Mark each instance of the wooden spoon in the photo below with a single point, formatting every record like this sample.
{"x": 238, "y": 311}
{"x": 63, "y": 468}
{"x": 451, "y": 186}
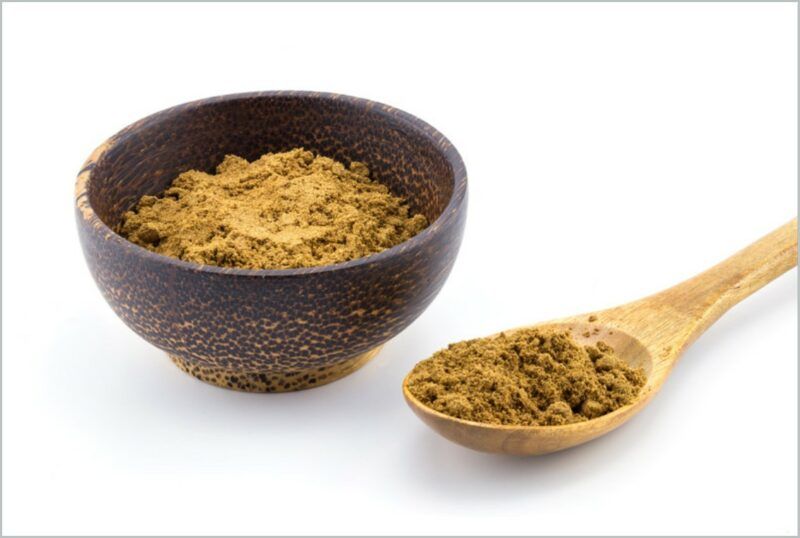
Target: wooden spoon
{"x": 650, "y": 333}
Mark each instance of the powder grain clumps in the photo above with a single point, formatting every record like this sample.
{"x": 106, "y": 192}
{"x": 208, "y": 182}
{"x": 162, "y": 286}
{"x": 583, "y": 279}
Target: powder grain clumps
{"x": 284, "y": 210}
{"x": 531, "y": 377}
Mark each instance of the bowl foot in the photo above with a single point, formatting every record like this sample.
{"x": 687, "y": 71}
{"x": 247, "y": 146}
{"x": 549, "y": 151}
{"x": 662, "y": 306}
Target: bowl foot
{"x": 272, "y": 381}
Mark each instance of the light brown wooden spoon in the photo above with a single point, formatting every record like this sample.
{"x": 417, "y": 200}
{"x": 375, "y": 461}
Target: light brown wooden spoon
{"x": 651, "y": 333}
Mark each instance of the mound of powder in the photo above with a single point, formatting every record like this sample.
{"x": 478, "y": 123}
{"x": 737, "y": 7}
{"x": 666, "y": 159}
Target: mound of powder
{"x": 529, "y": 377}
{"x": 284, "y": 210}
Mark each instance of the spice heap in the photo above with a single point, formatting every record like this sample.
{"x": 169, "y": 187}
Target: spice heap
{"x": 284, "y": 210}
{"x": 531, "y": 377}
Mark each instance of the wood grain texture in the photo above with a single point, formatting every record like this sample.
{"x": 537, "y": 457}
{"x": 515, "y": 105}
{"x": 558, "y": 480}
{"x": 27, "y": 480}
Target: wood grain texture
{"x": 284, "y": 381}
{"x": 651, "y": 333}
{"x": 281, "y": 329}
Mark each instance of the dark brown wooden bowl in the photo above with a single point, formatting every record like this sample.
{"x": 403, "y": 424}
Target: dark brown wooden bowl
{"x": 271, "y": 330}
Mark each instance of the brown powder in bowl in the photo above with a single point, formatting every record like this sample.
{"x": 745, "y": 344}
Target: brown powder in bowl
{"x": 530, "y": 377}
{"x": 283, "y": 210}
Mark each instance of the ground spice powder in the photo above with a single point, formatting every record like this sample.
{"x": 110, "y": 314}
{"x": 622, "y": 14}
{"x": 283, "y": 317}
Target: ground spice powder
{"x": 529, "y": 377}
{"x": 284, "y": 210}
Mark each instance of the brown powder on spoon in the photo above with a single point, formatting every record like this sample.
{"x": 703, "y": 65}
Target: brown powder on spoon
{"x": 530, "y": 377}
{"x": 283, "y": 210}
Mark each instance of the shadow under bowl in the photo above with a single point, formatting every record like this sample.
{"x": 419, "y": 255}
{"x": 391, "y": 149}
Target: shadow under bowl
{"x": 271, "y": 330}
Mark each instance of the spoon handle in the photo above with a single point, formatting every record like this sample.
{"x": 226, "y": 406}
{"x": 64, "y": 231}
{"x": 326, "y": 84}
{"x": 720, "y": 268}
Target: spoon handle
{"x": 674, "y": 318}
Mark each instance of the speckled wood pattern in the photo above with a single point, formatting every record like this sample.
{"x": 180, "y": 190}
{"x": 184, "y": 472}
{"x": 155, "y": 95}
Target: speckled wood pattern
{"x": 271, "y": 330}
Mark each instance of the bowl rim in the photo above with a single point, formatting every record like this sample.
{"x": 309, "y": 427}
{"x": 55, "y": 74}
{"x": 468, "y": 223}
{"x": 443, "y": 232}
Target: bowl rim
{"x": 454, "y": 205}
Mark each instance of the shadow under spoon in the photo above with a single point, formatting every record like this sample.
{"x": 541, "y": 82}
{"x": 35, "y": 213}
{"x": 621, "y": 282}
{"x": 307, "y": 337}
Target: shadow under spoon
{"x": 651, "y": 333}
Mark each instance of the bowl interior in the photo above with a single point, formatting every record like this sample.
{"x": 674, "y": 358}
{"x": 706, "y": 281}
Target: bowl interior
{"x": 400, "y": 151}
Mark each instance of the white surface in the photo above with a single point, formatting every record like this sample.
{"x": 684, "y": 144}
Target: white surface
{"x": 613, "y": 150}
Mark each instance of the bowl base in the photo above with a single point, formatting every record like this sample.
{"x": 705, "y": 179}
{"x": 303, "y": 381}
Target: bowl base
{"x": 271, "y": 381}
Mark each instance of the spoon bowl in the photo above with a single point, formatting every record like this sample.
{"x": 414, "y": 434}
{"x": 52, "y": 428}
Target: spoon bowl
{"x": 535, "y": 440}
{"x": 650, "y": 334}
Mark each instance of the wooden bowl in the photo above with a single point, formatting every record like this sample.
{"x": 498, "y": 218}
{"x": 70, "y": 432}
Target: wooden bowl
{"x": 271, "y": 330}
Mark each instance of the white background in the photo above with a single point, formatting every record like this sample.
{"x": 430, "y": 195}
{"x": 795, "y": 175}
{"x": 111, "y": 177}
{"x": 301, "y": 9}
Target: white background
{"x": 613, "y": 150}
